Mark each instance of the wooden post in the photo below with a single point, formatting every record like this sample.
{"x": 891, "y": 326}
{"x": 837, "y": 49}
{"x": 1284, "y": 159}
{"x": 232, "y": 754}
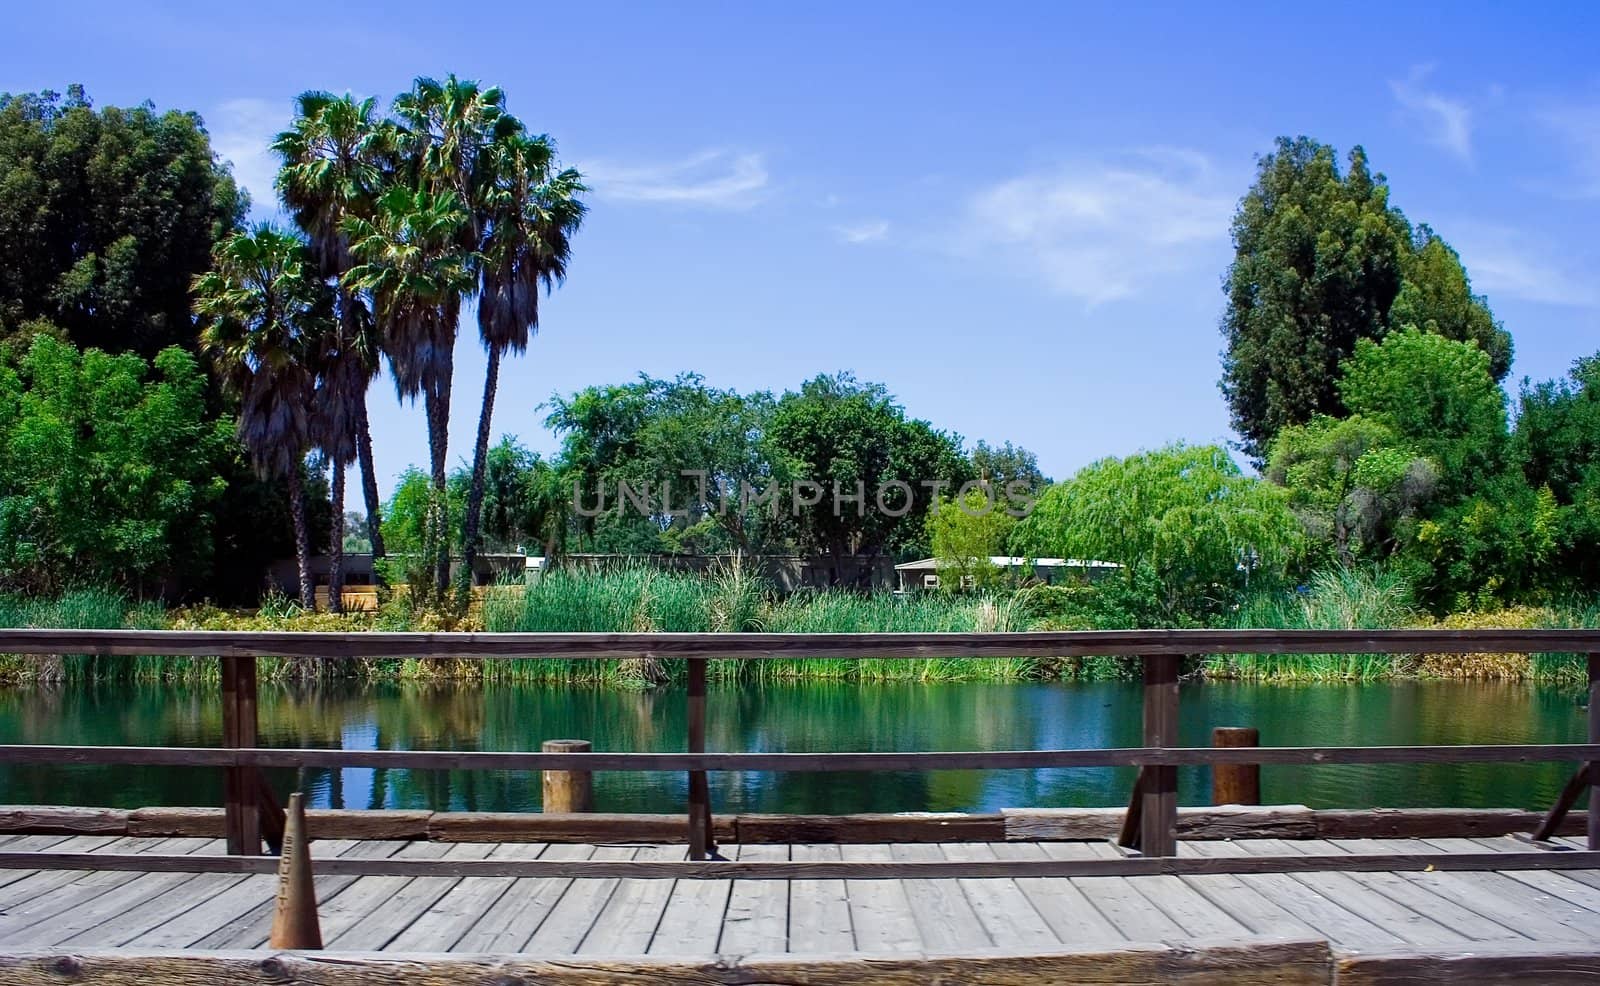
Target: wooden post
{"x": 700, "y": 842}
{"x": 1594, "y": 737}
{"x": 568, "y": 791}
{"x": 1236, "y": 783}
{"x": 1158, "y": 815}
{"x": 241, "y": 794}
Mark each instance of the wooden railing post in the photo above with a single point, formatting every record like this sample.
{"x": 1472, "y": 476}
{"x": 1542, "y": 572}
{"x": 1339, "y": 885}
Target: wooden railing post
{"x": 1158, "y": 814}
{"x": 700, "y": 841}
{"x": 1594, "y": 737}
{"x": 1236, "y": 783}
{"x": 241, "y": 785}
{"x": 567, "y": 791}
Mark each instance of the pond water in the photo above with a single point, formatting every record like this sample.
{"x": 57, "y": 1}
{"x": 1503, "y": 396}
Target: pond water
{"x": 794, "y": 717}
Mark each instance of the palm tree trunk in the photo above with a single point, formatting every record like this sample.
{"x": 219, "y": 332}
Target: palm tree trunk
{"x": 437, "y": 410}
{"x": 369, "y": 483}
{"x": 336, "y": 541}
{"x": 302, "y": 539}
{"x": 480, "y": 455}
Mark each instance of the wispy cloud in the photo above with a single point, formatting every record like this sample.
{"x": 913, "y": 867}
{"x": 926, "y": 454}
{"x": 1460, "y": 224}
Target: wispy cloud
{"x": 1102, "y": 230}
{"x": 864, "y": 232}
{"x": 1578, "y": 126}
{"x": 1446, "y": 122}
{"x": 1505, "y": 262}
{"x": 717, "y": 178}
{"x": 241, "y": 133}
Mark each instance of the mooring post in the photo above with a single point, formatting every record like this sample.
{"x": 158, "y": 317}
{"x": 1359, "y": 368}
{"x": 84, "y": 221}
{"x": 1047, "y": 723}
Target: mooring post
{"x": 1236, "y": 783}
{"x": 1158, "y": 814}
{"x": 700, "y": 842}
{"x": 568, "y": 791}
{"x": 1594, "y": 737}
{"x": 241, "y": 785}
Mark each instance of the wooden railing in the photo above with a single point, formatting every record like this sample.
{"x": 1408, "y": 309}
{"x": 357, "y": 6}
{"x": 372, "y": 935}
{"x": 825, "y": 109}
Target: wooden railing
{"x": 1155, "y": 806}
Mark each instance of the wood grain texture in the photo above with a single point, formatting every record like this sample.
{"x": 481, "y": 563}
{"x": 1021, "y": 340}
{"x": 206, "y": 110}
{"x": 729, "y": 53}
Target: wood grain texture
{"x": 465, "y": 826}
{"x": 1514, "y": 962}
{"x": 1213, "y": 963}
{"x": 1221, "y": 822}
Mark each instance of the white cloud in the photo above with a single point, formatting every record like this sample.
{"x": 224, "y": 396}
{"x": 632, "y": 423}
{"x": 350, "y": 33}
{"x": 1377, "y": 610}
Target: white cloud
{"x": 241, "y": 133}
{"x": 864, "y": 232}
{"x": 718, "y": 178}
{"x": 1447, "y": 122}
{"x": 1504, "y": 262}
{"x": 1100, "y": 231}
{"x": 1578, "y": 126}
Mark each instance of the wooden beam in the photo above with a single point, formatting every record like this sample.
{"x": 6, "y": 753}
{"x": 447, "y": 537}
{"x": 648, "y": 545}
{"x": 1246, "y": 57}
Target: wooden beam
{"x": 1144, "y": 865}
{"x": 1594, "y": 736}
{"x": 1544, "y": 963}
{"x": 186, "y": 756}
{"x": 757, "y": 646}
{"x": 1158, "y": 785}
{"x": 1239, "y": 962}
{"x": 701, "y": 842}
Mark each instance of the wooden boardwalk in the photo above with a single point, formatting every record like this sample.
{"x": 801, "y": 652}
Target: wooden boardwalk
{"x": 1439, "y": 911}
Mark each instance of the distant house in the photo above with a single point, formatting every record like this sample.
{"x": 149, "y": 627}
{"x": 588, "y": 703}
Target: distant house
{"x": 924, "y": 573}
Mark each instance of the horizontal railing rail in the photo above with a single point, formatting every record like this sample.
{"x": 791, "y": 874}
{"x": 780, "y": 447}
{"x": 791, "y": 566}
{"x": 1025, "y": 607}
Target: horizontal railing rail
{"x": 762, "y": 646}
{"x": 1152, "y": 817}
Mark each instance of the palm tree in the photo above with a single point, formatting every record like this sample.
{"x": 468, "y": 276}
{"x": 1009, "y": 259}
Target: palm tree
{"x": 411, "y": 263}
{"x": 530, "y": 212}
{"x": 442, "y": 133}
{"x": 265, "y": 316}
{"x": 336, "y": 161}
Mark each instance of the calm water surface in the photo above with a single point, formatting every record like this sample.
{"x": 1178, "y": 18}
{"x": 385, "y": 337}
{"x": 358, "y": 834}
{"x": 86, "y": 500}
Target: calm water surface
{"x": 795, "y": 718}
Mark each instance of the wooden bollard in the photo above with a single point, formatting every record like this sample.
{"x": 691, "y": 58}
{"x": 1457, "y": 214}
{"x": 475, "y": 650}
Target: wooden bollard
{"x": 568, "y": 791}
{"x": 294, "y": 923}
{"x": 1235, "y": 783}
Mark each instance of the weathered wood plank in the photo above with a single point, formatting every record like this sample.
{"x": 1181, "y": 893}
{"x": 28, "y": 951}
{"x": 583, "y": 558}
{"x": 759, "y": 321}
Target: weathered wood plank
{"x": 941, "y": 908}
{"x": 693, "y": 918}
{"x": 251, "y": 928}
{"x": 756, "y": 921}
{"x": 880, "y": 914}
{"x": 1221, "y": 822}
{"x": 46, "y": 819}
{"x": 868, "y": 828}
{"x": 819, "y": 910}
{"x": 1247, "y": 963}
{"x": 1429, "y": 823}
{"x": 1072, "y": 916}
{"x": 508, "y": 924}
{"x": 589, "y": 827}
{"x": 1008, "y": 916}
{"x": 1545, "y": 963}
{"x": 568, "y": 923}
{"x": 438, "y": 928}
{"x": 628, "y": 921}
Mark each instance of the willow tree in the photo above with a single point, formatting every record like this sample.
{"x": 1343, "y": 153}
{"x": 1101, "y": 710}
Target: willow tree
{"x": 265, "y": 316}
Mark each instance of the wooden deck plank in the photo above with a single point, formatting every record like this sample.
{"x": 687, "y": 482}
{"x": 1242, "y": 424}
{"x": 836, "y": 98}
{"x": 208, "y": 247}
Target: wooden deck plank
{"x": 1415, "y": 927}
{"x": 819, "y": 910}
{"x": 627, "y": 923}
{"x": 69, "y": 905}
{"x": 1008, "y": 915}
{"x": 693, "y": 918}
{"x": 880, "y": 913}
{"x": 942, "y": 910}
{"x": 372, "y": 914}
{"x": 756, "y": 920}
{"x": 250, "y": 929}
{"x": 439, "y": 927}
{"x": 512, "y": 919}
{"x": 1114, "y": 897}
{"x": 1196, "y": 914}
{"x": 569, "y": 921}
{"x": 1071, "y": 916}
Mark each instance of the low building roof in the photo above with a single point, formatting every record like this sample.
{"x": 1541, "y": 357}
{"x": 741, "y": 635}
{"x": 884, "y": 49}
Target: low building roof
{"x": 1011, "y": 561}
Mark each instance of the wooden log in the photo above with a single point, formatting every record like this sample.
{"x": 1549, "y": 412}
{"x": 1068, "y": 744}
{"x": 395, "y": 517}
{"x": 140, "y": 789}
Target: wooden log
{"x": 1544, "y": 963}
{"x": 1220, "y": 822}
{"x": 47, "y": 820}
{"x": 1432, "y": 823}
{"x": 1236, "y": 784}
{"x": 567, "y": 791}
{"x": 323, "y": 823}
{"x": 1158, "y": 791}
{"x": 868, "y": 828}
{"x": 1248, "y": 962}
{"x": 464, "y": 826}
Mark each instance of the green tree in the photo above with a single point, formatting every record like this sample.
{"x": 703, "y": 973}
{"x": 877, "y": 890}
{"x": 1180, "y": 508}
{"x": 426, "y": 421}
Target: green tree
{"x": 112, "y": 468}
{"x": 965, "y": 532}
{"x": 1436, "y": 395}
{"x": 1556, "y": 446}
{"x": 1183, "y": 517}
{"x": 531, "y": 210}
{"x": 1002, "y": 465}
{"x": 1354, "y": 485}
{"x": 851, "y": 446}
{"x": 266, "y": 316}
{"x": 1321, "y": 260}
{"x": 105, "y": 216}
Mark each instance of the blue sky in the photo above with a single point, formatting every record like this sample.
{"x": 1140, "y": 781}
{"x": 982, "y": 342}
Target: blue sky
{"x": 1016, "y": 217}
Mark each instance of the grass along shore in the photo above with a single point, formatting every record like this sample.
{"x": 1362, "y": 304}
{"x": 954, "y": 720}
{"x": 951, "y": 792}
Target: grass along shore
{"x": 647, "y": 600}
